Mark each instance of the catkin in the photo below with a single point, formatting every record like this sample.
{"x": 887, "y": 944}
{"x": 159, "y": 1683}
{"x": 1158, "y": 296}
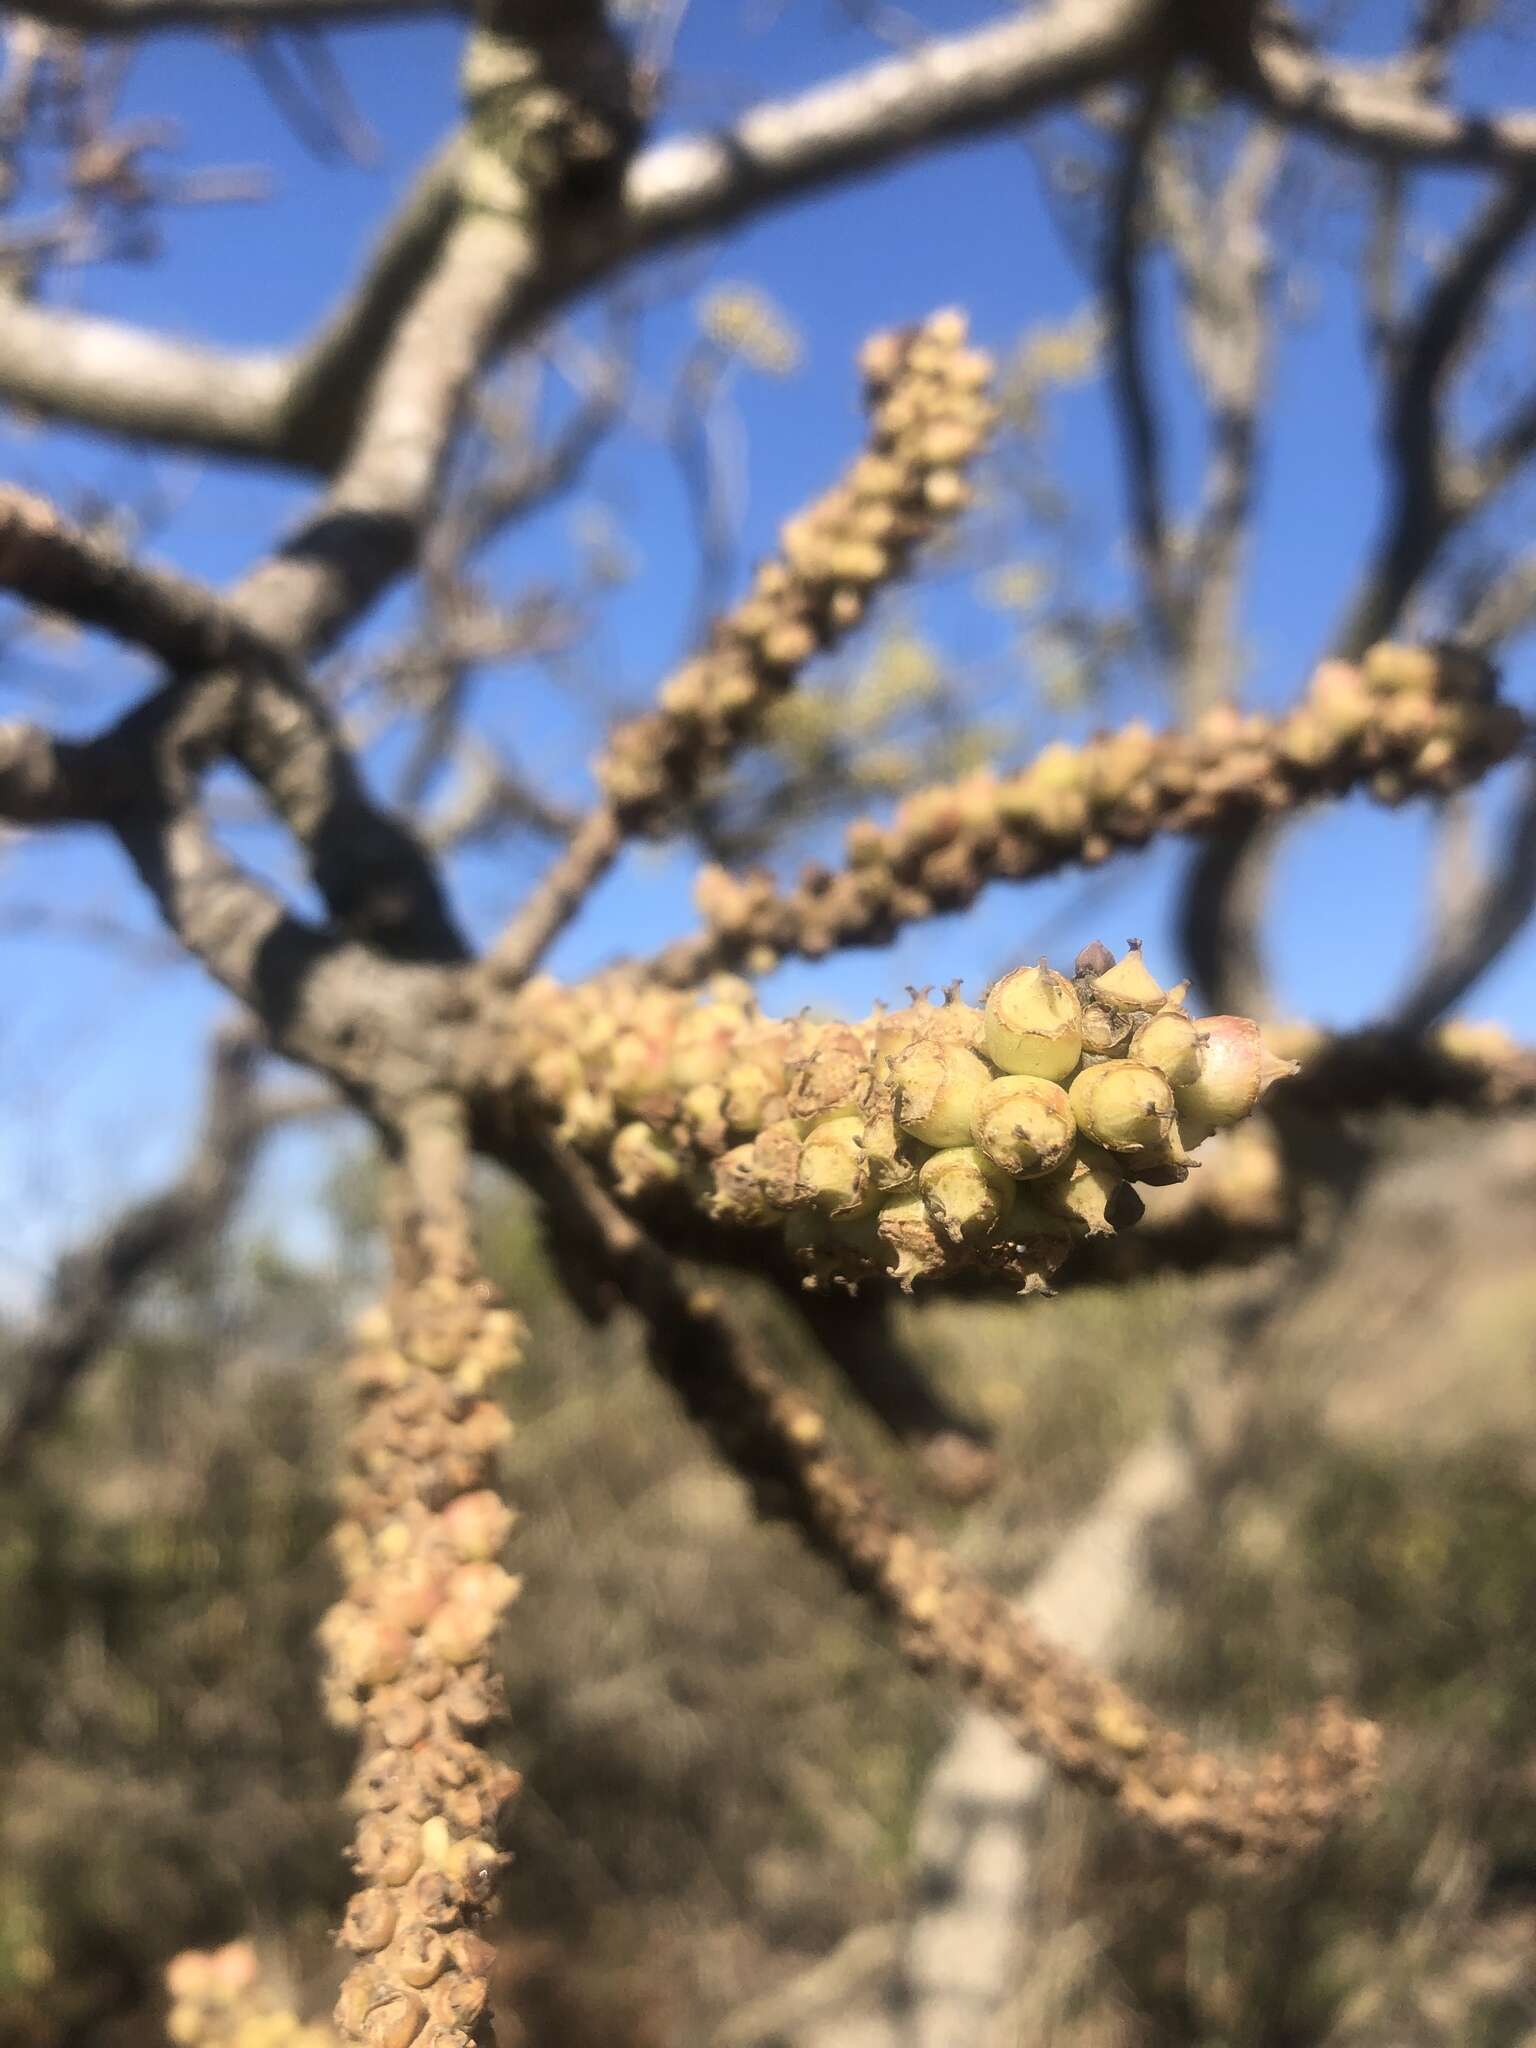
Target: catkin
{"x": 917, "y": 1143}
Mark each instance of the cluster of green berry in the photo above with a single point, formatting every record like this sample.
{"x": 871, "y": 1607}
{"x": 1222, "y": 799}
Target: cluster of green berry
{"x": 921, "y": 1141}
{"x": 1403, "y": 720}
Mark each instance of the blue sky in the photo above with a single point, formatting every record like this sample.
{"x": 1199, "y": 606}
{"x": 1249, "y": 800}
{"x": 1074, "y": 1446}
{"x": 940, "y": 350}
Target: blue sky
{"x": 100, "y": 1053}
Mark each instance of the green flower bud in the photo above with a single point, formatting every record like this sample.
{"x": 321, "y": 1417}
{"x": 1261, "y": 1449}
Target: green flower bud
{"x": 1235, "y": 1068}
{"x": 885, "y": 1151}
{"x": 750, "y": 1090}
{"x": 834, "y": 1173}
{"x": 1128, "y": 985}
{"x": 1123, "y": 1106}
{"x": 1081, "y": 1194}
{"x": 906, "y": 1230}
{"x": 937, "y": 1083}
{"x": 1033, "y": 1023}
{"x": 1024, "y": 1125}
{"x": 967, "y": 1196}
{"x": 1169, "y": 1041}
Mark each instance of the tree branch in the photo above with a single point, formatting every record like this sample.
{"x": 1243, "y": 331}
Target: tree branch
{"x": 302, "y": 409}
{"x": 945, "y": 1621}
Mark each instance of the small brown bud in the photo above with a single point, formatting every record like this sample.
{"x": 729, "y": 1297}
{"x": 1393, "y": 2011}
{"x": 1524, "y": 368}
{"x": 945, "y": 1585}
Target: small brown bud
{"x": 1093, "y": 960}
{"x": 457, "y": 2000}
{"x": 370, "y": 1921}
{"x": 394, "y": 2020}
{"x": 420, "y": 1957}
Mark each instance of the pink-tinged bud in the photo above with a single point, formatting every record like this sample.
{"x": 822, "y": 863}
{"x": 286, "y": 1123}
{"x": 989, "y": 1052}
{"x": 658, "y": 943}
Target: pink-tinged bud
{"x": 967, "y": 1196}
{"x": 1033, "y": 1024}
{"x": 1235, "y": 1069}
{"x": 936, "y": 1084}
{"x": 1024, "y": 1125}
{"x": 1128, "y": 985}
{"x": 235, "y": 1969}
{"x": 1123, "y": 1106}
{"x": 407, "y": 1595}
{"x": 641, "y": 1163}
{"x": 189, "y": 1975}
{"x": 1169, "y": 1041}
{"x": 905, "y": 1228}
{"x": 373, "y": 1652}
{"x": 459, "y": 1632}
{"x": 834, "y": 1175}
{"x": 1081, "y": 1195}
{"x": 477, "y": 1525}
{"x": 486, "y": 1585}
{"x": 370, "y": 1922}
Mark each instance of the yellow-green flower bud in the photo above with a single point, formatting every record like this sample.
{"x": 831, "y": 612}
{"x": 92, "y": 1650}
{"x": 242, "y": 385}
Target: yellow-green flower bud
{"x": 834, "y": 1173}
{"x": 937, "y": 1083}
{"x": 1123, "y": 1106}
{"x": 885, "y": 1150}
{"x": 1081, "y": 1195}
{"x": 1235, "y": 1068}
{"x": 1170, "y": 1042}
{"x": 750, "y": 1091}
{"x": 1128, "y": 985}
{"x": 1024, "y": 1125}
{"x": 1033, "y": 1023}
{"x": 905, "y": 1228}
{"x": 967, "y": 1196}
{"x": 641, "y": 1163}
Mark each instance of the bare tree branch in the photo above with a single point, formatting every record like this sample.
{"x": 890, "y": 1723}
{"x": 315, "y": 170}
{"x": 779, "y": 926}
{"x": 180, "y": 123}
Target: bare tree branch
{"x": 141, "y": 17}
{"x": 1377, "y": 111}
{"x": 124, "y": 380}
